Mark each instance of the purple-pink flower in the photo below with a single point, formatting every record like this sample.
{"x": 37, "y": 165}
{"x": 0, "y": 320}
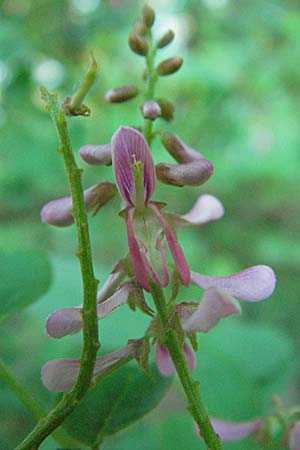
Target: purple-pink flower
{"x": 148, "y": 231}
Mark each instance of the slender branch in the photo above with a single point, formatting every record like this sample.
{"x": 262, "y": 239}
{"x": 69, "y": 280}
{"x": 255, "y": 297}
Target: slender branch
{"x": 89, "y": 314}
{"x": 191, "y": 387}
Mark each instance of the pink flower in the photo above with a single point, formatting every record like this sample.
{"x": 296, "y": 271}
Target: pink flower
{"x": 148, "y": 231}
{"x": 164, "y": 362}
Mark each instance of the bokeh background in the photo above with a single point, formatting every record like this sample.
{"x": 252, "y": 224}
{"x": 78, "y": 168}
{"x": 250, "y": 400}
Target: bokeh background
{"x": 237, "y": 101}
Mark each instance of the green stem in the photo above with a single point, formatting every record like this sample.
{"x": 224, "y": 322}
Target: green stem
{"x": 191, "y": 387}
{"x": 151, "y": 81}
{"x": 20, "y": 391}
{"x": 30, "y": 402}
{"x": 84, "y": 87}
{"x": 89, "y": 313}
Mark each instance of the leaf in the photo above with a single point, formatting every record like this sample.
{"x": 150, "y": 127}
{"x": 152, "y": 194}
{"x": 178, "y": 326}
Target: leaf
{"x": 24, "y": 277}
{"x": 115, "y": 403}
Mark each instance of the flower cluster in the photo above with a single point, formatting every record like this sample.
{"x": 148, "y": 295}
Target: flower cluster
{"x": 149, "y": 232}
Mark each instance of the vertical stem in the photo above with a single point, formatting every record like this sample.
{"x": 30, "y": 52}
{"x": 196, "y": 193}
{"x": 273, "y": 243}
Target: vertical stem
{"x": 151, "y": 80}
{"x": 89, "y": 312}
{"x": 191, "y": 387}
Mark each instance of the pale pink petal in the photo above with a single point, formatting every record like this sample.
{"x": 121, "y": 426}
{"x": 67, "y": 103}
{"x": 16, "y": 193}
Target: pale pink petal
{"x": 176, "y": 251}
{"x": 206, "y": 209}
{"x": 215, "y": 304}
{"x": 294, "y": 437}
{"x": 179, "y": 150}
{"x": 119, "y": 298}
{"x": 189, "y": 356}
{"x": 136, "y": 258}
{"x": 188, "y": 174}
{"x": 59, "y": 212}
{"x": 96, "y": 155}
{"x": 111, "y": 284}
{"x": 163, "y": 360}
{"x": 231, "y": 431}
{"x": 128, "y": 145}
{"x": 60, "y": 375}
{"x": 253, "y": 284}
{"x": 67, "y": 321}
{"x": 63, "y": 322}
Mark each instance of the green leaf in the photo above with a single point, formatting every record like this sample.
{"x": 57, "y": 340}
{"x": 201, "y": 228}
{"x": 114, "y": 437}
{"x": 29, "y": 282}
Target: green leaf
{"x": 115, "y": 403}
{"x": 24, "y": 277}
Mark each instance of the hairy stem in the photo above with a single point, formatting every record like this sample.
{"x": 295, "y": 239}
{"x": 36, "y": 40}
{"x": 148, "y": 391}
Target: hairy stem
{"x": 191, "y": 387}
{"x": 89, "y": 313}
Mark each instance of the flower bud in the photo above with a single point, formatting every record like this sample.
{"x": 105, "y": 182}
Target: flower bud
{"x": 166, "y": 39}
{"x": 148, "y": 15}
{"x": 151, "y": 110}
{"x": 59, "y": 212}
{"x": 167, "y": 109}
{"x": 121, "y": 94}
{"x": 138, "y": 44}
{"x": 96, "y": 155}
{"x": 169, "y": 66}
{"x": 178, "y": 149}
{"x": 189, "y": 174}
{"x": 140, "y": 28}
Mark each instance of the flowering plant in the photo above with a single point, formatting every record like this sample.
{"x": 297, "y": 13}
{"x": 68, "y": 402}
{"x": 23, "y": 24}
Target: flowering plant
{"x": 152, "y": 276}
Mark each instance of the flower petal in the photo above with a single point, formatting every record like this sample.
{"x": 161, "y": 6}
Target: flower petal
{"x": 206, "y": 208}
{"x": 234, "y": 431}
{"x": 163, "y": 360}
{"x": 215, "y": 304}
{"x": 188, "y": 174}
{"x": 96, "y": 155}
{"x": 59, "y": 212}
{"x": 136, "y": 258}
{"x": 253, "y": 284}
{"x": 189, "y": 356}
{"x": 176, "y": 251}
{"x": 179, "y": 150}
{"x": 294, "y": 437}
{"x": 129, "y": 145}
{"x": 59, "y": 375}
{"x": 67, "y": 321}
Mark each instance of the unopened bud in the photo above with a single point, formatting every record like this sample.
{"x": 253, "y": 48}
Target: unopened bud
{"x": 148, "y": 15}
{"x": 166, "y": 39}
{"x": 169, "y": 66}
{"x": 140, "y": 28}
{"x": 138, "y": 44}
{"x": 189, "y": 174}
{"x": 96, "y": 155}
{"x": 178, "y": 149}
{"x": 59, "y": 212}
{"x": 121, "y": 94}
{"x": 167, "y": 109}
{"x": 151, "y": 110}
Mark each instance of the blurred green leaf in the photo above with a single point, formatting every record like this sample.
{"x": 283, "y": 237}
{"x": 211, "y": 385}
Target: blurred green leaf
{"x": 115, "y": 403}
{"x": 24, "y": 277}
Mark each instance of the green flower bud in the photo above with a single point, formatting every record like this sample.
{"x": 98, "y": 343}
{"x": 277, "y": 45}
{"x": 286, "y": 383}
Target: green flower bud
{"x": 121, "y": 94}
{"x": 138, "y": 44}
{"x": 166, "y": 39}
{"x": 167, "y": 109}
{"x": 169, "y": 66}
{"x": 148, "y": 15}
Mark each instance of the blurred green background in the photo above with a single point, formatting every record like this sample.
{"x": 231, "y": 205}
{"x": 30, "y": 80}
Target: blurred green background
{"x": 237, "y": 101}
